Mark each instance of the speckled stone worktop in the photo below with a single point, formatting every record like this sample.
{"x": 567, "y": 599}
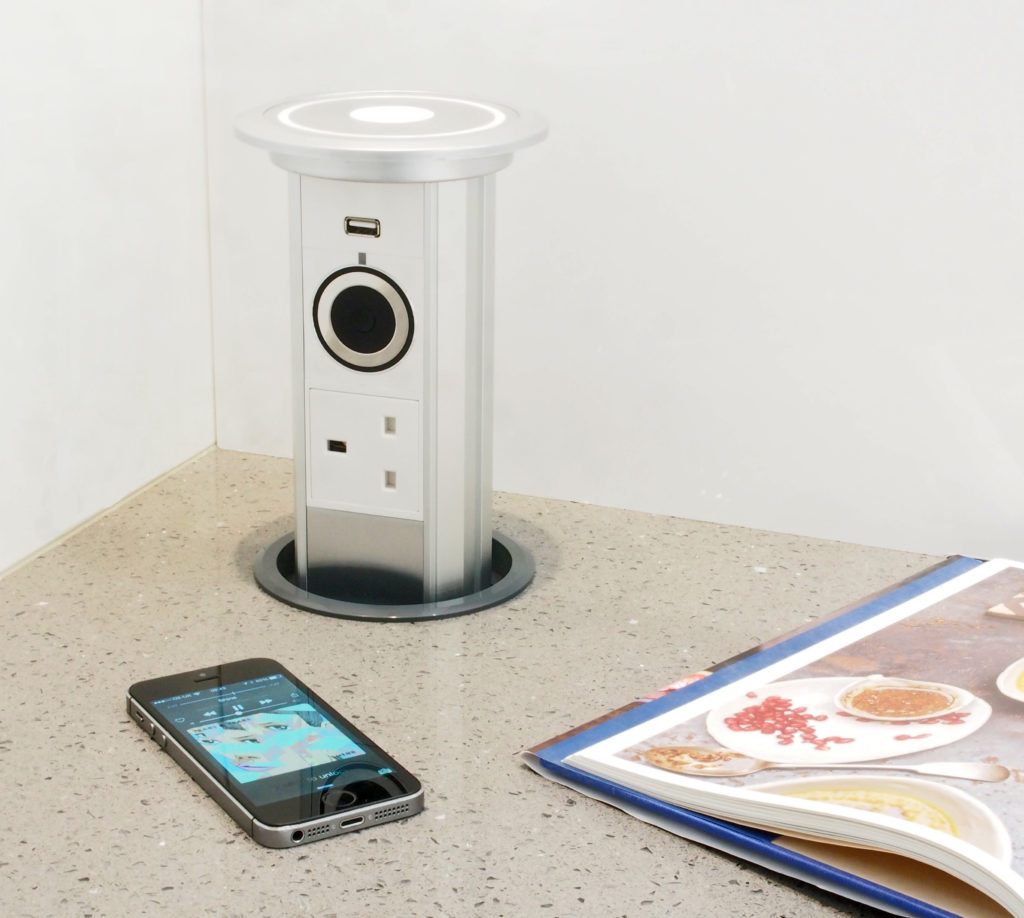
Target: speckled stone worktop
{"x": 99, "y": 822}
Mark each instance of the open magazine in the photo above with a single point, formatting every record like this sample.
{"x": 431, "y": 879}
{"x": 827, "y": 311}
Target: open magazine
{"x": 892, "y": 731}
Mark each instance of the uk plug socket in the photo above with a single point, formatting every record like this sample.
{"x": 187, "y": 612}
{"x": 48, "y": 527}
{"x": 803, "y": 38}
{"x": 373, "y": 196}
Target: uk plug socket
{"x": 364, "y": 454}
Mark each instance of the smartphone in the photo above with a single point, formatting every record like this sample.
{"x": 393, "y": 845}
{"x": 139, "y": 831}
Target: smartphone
{"x": 285, "y": 765}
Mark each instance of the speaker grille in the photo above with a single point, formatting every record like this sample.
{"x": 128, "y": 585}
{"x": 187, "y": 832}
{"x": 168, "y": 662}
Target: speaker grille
{"x": 317, "y": 831}
{"x": 391, "y": 811}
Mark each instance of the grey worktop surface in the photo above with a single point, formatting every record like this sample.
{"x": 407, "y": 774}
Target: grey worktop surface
{"x": 98, "y": 821}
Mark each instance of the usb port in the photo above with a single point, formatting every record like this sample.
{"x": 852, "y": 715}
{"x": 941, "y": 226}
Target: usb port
{"x": 354, "y": 821}
{"x": 362, "y": 226}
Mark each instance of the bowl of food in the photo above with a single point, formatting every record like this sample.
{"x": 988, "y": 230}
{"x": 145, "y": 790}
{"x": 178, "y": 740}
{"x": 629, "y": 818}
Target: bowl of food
{"x": 1011, "y": 680}
{"x": 889, "y": 698}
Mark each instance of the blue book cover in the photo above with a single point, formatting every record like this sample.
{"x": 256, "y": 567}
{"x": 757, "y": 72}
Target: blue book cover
{"x": 852, "y": 713}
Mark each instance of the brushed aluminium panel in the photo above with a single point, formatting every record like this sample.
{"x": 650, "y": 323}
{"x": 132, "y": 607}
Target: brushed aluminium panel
{"x": 458, "y": 446}
{"x": 361, "y": 557}
{"x": 298, "y": 310}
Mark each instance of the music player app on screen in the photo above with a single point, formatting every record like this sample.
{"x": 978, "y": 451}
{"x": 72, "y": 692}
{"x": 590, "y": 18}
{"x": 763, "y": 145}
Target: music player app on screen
{"x": 260, "y": 728}
{"x": 275, "y": 743}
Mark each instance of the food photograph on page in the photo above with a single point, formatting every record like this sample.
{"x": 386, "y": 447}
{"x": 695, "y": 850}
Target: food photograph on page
{"x": 923, "y": 721}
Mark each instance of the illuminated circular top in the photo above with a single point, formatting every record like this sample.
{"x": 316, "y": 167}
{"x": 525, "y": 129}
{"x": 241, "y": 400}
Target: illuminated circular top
{"x": 391, "y": 136}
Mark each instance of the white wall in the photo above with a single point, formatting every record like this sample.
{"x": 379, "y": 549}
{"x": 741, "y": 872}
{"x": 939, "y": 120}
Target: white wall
{"x": 766, "y": 270}
{"x": 105, "y": 361}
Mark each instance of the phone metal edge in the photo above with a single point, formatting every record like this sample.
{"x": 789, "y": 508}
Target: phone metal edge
{"x": 191, "y": 766}
{"x": 324, "y": 826}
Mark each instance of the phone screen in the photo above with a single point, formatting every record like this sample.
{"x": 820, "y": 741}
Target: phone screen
{"x": 286, "y": 755}
{"x": 271, "y": 743}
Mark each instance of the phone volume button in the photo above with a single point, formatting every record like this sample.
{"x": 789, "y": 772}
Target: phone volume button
{"x": 145, "y": 722}
{"x": 160, "y": 737}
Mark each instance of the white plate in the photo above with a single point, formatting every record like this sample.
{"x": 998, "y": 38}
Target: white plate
{"x": 969, "y": 818}
{"x": 863, "y": 740}
{"x": 1009, "y": 681}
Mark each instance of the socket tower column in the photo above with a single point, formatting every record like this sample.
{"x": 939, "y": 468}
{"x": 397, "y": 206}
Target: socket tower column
{"x": 392, "y": 238}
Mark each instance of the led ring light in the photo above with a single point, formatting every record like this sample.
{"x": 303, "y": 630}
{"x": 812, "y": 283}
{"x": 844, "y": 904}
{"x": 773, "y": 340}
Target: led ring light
{"x": 363, "y": 319}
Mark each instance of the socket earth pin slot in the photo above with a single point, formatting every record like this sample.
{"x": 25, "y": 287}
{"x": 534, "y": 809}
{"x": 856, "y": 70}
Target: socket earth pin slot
{"x": 362, "y": 226}
{"x": 337, "y": 446}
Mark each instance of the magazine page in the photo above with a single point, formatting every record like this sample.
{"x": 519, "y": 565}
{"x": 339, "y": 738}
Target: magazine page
{"x": 904, "y": 732}
{"x": 894, "y": 884}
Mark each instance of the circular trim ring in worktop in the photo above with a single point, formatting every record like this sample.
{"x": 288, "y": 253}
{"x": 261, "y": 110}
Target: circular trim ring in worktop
{"x": 391, "y": 136}
{"x": 512, "y": 570}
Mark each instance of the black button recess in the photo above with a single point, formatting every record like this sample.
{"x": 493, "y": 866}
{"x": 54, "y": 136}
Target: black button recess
{"x": 363, "y": 318}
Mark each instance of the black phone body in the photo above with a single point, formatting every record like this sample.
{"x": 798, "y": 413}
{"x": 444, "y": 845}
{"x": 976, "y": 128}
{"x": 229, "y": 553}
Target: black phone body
{"x": 285, "y": 765}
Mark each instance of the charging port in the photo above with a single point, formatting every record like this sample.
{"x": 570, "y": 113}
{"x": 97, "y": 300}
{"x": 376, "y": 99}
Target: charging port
{"x": 355, "y": 821}
{"x": 362, "y": 226}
